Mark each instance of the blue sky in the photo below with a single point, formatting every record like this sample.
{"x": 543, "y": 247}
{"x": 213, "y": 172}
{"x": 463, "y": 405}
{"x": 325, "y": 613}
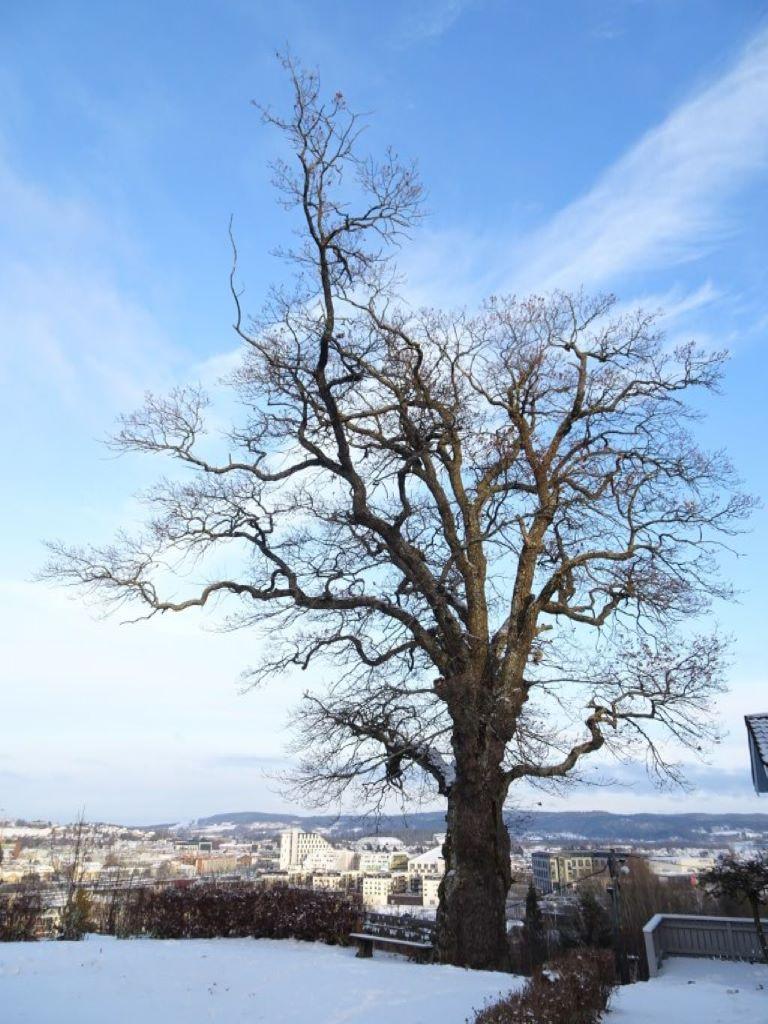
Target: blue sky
{"x": 622, "y": 144}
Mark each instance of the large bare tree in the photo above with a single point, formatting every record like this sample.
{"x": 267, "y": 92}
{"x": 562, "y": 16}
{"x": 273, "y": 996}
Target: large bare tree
{"x": 488, "y": 528}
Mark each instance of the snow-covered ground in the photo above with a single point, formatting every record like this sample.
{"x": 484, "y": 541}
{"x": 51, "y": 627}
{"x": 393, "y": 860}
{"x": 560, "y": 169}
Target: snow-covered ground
{"x": 689, "y": 991}
{"x": 245, "y": 980}
{"x": 143, "y": 981}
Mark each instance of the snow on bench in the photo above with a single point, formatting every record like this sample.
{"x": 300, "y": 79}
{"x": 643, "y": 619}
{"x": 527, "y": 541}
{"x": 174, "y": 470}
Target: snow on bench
{"x": 404, "y": 933}
{"x": 423, "y": 951}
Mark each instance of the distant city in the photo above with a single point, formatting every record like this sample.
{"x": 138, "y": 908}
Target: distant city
{"x": 392, "y": 862}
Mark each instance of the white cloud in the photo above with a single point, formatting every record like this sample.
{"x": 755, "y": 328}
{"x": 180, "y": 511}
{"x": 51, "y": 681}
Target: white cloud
{"x": 68, "y": 329}
{"x": 428, "y": 19}
{"x": 134, "y": 722}
{"x": 663, "y": 202}
{"x": 76, "y": 334}
{"x": 675, "y": 303}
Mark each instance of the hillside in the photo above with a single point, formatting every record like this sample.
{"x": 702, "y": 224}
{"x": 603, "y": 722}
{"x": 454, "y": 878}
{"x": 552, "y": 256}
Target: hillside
{"x": 594, "y": 826}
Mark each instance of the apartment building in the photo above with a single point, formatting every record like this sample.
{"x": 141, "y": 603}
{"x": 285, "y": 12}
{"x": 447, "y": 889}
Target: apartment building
{"x": 429, "y": 863}
{"x": 429, "y": 890}
{"x": 376, "y": 862}
{"x": 331, "y": 881}
{"x": 220, "y": 865}
{"x": 296, "y": 846}
{"x": 682, "y": 865}
{"x": 378, "y": 888}
{"x": 330, "y": 859}
{"x": 554, "y": 872}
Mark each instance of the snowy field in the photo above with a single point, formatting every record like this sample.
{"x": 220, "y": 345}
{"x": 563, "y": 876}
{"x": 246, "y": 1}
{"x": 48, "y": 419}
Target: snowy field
{"x": 142, "y": 981}
{"x": 691, "y": 991}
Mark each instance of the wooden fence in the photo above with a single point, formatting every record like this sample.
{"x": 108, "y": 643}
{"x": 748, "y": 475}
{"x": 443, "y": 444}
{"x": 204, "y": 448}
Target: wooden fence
{"x": 730, "y": 938}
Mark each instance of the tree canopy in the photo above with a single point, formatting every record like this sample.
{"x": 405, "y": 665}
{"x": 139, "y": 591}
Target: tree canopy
{"x": 490, "y": 528}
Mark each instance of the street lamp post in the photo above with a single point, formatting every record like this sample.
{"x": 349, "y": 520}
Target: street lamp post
{"x": 617, "y": 867}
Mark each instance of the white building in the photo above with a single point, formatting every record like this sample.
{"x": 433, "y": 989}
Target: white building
{"x": 330, "y": 859}
{"x": 555, "y": 872}
{"x": 429, "y": 886}
{"x": 378, "y": 888}
{"x": 296, "y": 846}
{"x": 376, "y": 862}
{"x": 680, "y": 866}
{"x": 429, "y": 863}
{"x": 330, "y": 881}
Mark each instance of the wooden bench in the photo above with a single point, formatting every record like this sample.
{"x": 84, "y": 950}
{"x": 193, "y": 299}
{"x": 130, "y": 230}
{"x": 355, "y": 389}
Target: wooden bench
{"x": 421, "y": 951}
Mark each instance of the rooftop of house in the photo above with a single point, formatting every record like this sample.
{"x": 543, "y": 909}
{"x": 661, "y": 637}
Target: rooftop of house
{"x": 757, "y": 731}
{"x": 430, "y": 857}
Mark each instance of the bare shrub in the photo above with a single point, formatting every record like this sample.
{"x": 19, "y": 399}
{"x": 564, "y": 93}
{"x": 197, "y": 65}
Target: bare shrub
{"x": 573, "y": 989}
{"x": 644, "y": 894}
{"x": 21, "y": 914}
{"x": 77, "y": 916}
{"x": 742, "y": 879}
{"x": 213, "y": 911}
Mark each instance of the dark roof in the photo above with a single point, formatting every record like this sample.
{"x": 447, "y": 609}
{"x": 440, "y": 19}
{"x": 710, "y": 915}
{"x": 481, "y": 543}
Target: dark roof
{"x": 757, "y": 731}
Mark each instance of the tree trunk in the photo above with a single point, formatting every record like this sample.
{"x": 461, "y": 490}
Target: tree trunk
{"x": 471, "y": 924}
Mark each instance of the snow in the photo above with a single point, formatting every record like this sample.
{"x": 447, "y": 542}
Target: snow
{"x": 23, "y": 832}
{"x": 446, "y": 768}
{"x": 384, "y": 843}
{"x": 758, "y": 725}
{"x": 247, "y": 980}
{"x": 399, "y": 909}
{"x": 430, "y": 857}
{"x": 689, "y": 991}
{"x": 233, "y": 981}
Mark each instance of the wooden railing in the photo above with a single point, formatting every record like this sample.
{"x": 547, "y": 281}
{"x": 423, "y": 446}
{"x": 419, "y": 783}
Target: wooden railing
{"x": 730, "y": 938}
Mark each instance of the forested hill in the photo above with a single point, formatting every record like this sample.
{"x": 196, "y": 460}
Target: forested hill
{"x": 578, "y": 825}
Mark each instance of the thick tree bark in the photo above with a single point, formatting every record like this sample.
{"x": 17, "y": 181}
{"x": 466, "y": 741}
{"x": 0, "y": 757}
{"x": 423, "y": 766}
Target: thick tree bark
{"x": 471, "y": 925}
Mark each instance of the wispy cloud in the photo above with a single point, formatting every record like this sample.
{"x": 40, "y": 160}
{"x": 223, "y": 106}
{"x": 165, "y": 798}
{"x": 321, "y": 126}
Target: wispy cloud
{"x": 667, "y": 200}
{"x": 674, "y": 303}
{"x": 664, "y": 201}
{"x": 428, "y": 19}
{"x": 67, "y": 325}
{"x": 241, "y": 761}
